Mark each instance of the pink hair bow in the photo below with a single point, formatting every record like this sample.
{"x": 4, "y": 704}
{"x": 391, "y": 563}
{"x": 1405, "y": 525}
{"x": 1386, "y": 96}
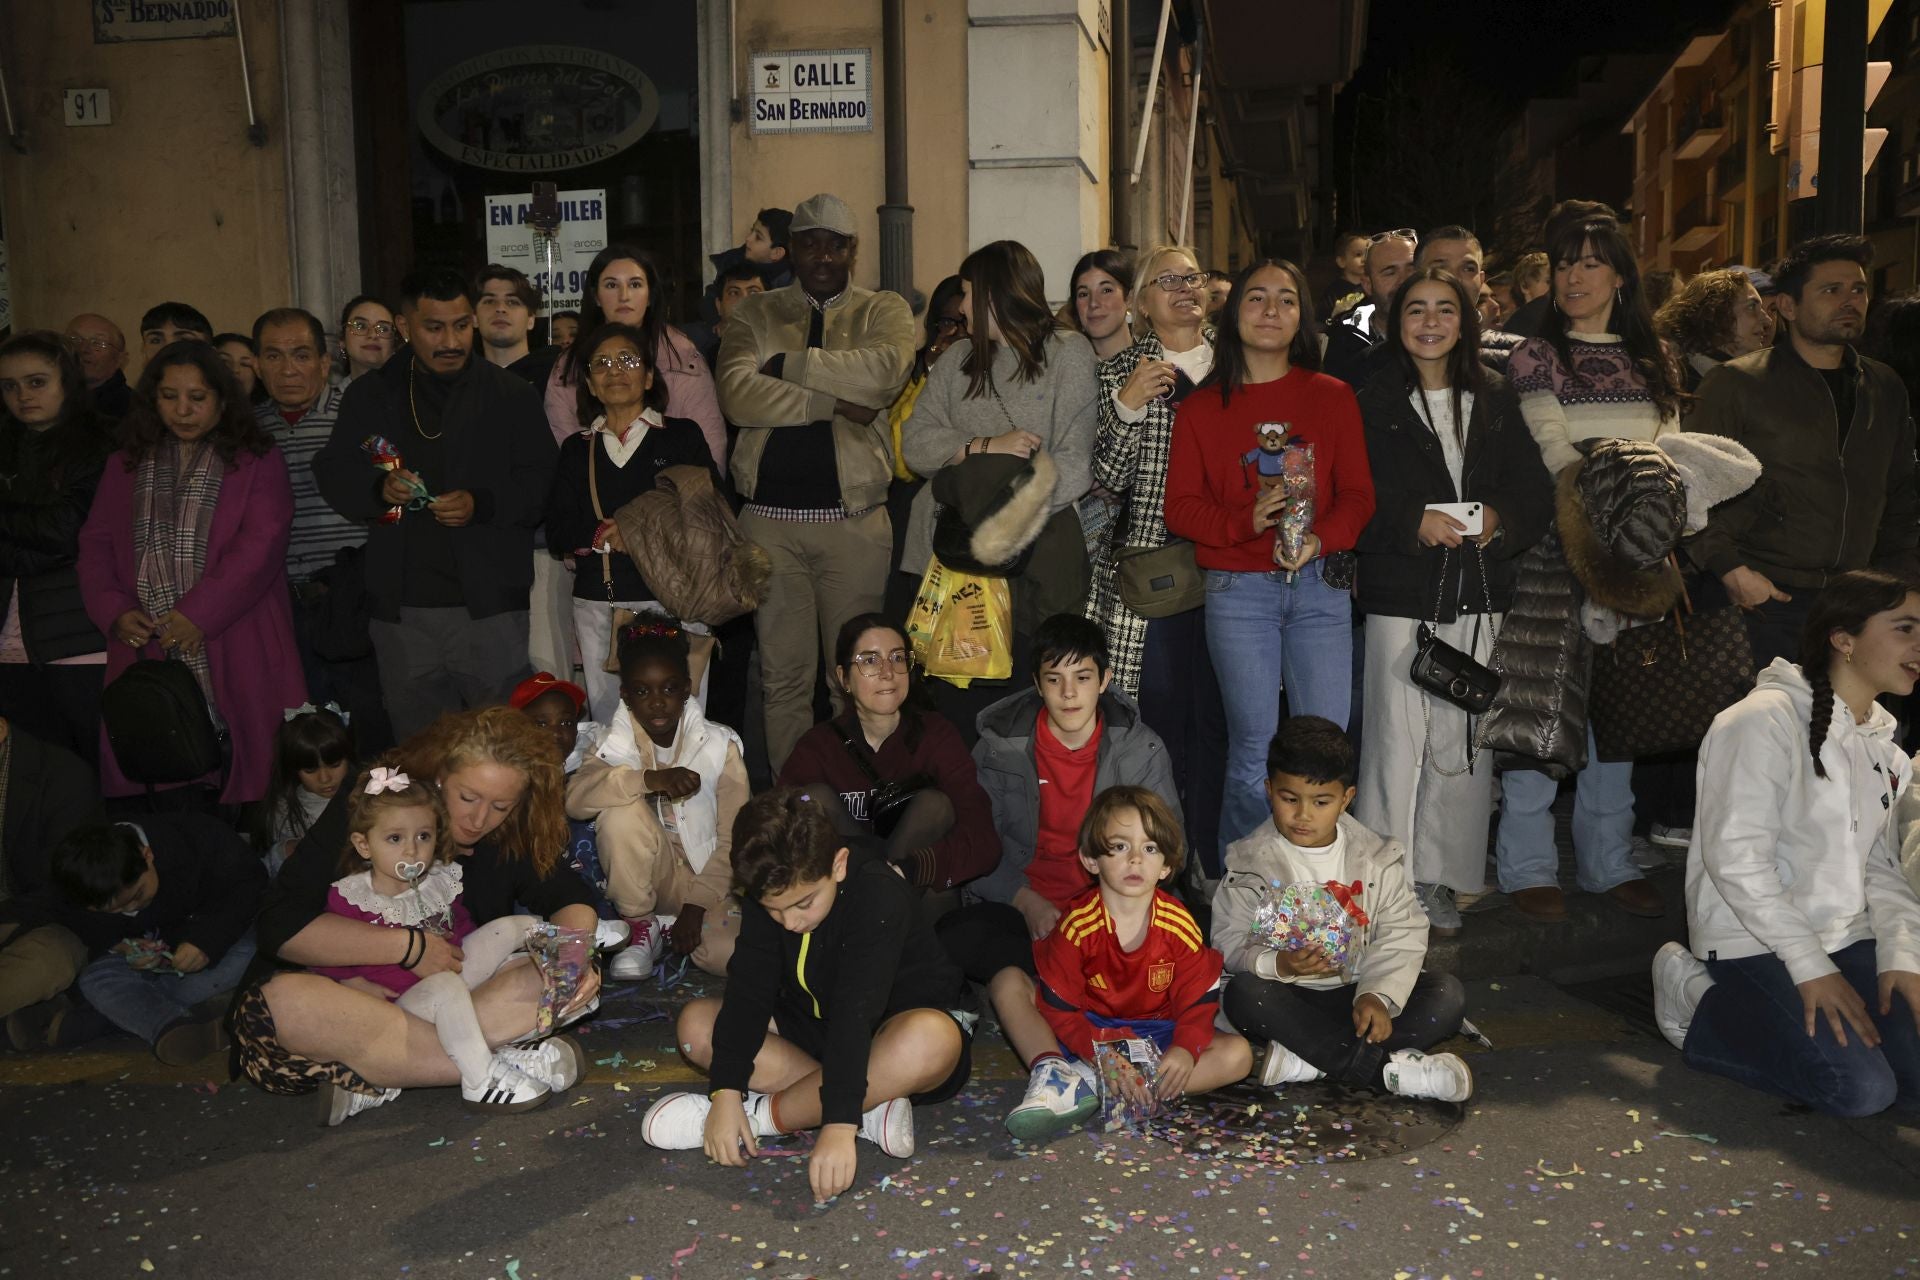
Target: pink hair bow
{"x": 383, "y": 779}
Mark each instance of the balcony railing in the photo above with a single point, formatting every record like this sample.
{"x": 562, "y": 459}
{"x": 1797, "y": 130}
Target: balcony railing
{"x": 1697, "y": 224}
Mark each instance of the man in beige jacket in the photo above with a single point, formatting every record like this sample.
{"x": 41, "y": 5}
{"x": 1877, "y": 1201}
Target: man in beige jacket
{"x": 806, "y": 372}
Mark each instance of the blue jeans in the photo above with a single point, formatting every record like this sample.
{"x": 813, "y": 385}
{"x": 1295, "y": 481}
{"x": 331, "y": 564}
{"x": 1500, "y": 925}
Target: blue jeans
{"x": 1262, "y": 632}
{"x": 1751, "y": 1027}
{"x": 1602, "y": 827}
{"x": 148, "y": 1003}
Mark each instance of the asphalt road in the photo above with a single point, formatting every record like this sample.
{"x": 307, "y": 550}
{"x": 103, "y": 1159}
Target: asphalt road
{"x": 1588, "y": 1150}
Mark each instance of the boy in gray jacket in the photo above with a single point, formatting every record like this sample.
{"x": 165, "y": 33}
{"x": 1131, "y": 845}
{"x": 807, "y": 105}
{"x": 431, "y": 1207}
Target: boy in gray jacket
{"x": 1370, "y": 1026}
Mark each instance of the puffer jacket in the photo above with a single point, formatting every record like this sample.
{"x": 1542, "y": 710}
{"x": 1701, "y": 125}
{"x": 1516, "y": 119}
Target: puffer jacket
{"x": 1619, "y": 512}
{"x": 47, "y": 482}
{"x": 683, "y": 536}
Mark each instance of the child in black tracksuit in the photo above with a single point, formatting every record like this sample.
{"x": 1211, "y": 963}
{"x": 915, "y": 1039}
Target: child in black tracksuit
{"x": 870, "y": 1015}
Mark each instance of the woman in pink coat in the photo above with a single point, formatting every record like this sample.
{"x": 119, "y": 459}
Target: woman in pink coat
{"x": 184, "y": 553}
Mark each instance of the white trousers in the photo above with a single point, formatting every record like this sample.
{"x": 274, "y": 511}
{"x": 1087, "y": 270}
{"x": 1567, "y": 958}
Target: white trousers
{"x": 593, "y": 625}
{"x": 1441, "y": 821}
{"x": 550, "y": 617}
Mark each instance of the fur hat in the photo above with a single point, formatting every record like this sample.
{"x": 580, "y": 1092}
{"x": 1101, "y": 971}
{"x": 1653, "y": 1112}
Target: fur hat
{"x": 992, "y": 508}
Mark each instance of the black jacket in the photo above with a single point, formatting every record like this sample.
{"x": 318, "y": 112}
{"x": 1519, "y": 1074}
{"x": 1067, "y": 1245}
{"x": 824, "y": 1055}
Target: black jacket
{"x": 1397, "y": 576}
{"x": 50, "y": 791}
{"x": 1823, "y": 505}
{"x": 873, "y": 956}
{"x": 210, "y": 883}
{"x": 570, "y": 518}
{"x": 492, "y": 885}
{"x": 47, "y": 480}
{"x": 499, "y": 448}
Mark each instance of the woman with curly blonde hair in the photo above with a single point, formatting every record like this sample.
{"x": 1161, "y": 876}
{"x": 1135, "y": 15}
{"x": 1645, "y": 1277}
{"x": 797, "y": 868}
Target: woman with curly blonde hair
{"x": 1711, "y": 319}
{"x": 500, "y": 779}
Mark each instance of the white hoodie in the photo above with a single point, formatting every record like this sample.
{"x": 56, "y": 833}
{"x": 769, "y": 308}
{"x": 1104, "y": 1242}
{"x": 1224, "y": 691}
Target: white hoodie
{"x": 1785, "y": 861}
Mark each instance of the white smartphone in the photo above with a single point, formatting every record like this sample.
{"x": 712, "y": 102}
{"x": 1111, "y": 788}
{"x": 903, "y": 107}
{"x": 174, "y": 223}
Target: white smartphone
{"x": 1470, "y": 514}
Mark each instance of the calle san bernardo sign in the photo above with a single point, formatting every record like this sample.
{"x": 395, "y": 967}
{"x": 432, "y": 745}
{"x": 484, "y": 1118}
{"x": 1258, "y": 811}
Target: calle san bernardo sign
{"x": 537, "y": 108}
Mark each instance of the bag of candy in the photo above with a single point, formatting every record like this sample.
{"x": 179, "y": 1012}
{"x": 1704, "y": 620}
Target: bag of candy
{"x": 1297, "y": 916}
{"x": 562, "y": 956}
{"x": 1127, "y": 1067}
{"x": 1296, "y": 516}
{"x": 146, "y": 955}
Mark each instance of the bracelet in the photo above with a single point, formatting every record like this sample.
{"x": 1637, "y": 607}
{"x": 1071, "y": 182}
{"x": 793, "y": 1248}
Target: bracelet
{"x": 415, "y": 939}
{"x": 977, "y": 445}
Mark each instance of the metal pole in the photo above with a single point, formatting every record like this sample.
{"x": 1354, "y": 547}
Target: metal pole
{"x": 896, "y": 215}
{"x": 1153, "y": 87}
{"x": 1193, "y": 131}
{"x": 1120, "y": 115}
{"x": 256, "y": 132}
{"x": 1840, "y": 195}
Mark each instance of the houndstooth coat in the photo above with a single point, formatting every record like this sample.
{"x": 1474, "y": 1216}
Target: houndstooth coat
{"x": 1130, "y": 462}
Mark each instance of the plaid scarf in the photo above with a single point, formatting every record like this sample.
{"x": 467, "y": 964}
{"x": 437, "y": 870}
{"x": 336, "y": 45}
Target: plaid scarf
{"x": 175, "y": 492}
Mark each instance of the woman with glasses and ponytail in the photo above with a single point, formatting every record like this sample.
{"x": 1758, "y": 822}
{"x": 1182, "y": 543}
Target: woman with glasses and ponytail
{"x": 628, "y": 442}
{"x": 1802, "y": 973}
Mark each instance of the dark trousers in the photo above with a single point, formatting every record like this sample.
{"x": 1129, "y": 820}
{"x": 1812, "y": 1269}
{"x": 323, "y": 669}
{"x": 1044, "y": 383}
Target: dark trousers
{"x": 985, "y": 937}
{"x": 1318, "y": 1024}
{"x": 1750, "y": 1026}
{"x": 353, "y": 685}
{"x": 1773, "y": 628}
{"x": 58, "y": 705}
{"x": 1180, "y": 700}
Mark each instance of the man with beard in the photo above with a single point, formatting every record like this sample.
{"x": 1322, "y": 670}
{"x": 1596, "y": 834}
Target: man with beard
{"x": 1832, "y": 429}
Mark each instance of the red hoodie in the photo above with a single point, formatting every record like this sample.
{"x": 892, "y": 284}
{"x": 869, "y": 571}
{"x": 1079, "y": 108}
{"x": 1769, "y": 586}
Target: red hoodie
{"x": 1211, "y": 484}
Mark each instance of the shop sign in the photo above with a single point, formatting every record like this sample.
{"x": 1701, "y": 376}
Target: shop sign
{"x": 118, "y": 20}
{"x": 557, "y": 268}
{"x": 812, "y": 91}
{"x": 537, "y": 109}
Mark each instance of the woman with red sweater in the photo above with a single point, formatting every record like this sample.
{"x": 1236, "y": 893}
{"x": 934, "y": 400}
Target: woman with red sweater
{"x": 1271, "y": 619}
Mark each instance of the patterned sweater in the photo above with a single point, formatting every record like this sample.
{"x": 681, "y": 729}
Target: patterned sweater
{"x": 1602, "y": 397}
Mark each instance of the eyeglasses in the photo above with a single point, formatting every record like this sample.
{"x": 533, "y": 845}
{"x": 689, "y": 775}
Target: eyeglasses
{"x": 1402, "y": 233}
{"x": 76, "y": 343}
{"x": 868, "y": 663}
{"x": 1171, "y": 281}
{"x": 379, "y": 328}
{"x": 625, "y": 360}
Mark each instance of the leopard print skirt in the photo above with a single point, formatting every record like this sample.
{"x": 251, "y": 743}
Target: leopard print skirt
{"x": 272, "y": 1066}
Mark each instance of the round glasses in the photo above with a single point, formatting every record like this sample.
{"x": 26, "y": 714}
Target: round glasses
{"x": 1172, "y": 280}
{"x": 625, "y": 360}
{"x": 868, "y": 663}
{"x": 378, "y": 328}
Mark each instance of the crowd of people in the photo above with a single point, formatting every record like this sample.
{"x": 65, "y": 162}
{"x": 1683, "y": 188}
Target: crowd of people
{"x": 294, "y": 756}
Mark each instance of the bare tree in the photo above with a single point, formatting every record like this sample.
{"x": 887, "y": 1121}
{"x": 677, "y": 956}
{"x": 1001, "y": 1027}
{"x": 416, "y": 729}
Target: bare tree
{"x": 1432, "y": 147}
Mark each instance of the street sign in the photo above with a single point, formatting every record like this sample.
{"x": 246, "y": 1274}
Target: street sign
{"x": 812, "y": 91}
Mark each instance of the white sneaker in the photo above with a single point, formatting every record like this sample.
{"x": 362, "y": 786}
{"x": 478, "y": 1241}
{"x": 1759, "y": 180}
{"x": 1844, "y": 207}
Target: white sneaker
{"x": 1284, "y": 1066}
{"x": 1646, "y": 854}
{"x": 678, "y": 1122}
{"x": 1679, "y": 980}
{"x": 1671, "y": 837}
{"x": 1060, "y": 1096}
{"x": 337, "y": 1105}
{"x": 643, "y": 951}
{"x": 556, "y": 1063}
{"x": 889, "y": 1127}
{"x": 507, "y": 1089}
{"x": 1443, "y": 1077}
{"x": 611, "y": 935}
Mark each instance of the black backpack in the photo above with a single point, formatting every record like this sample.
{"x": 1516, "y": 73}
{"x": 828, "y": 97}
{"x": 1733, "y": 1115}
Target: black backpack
{"x": 158, "y": 724}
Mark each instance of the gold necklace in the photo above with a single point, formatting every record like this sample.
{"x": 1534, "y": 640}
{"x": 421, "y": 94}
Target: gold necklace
{"x": 415, "y": 412}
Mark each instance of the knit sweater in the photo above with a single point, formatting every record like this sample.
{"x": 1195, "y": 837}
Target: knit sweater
{"x": 1061, "y": 406}
{"x": 1602, "y": 397}
{"x": 1212, "y": 483}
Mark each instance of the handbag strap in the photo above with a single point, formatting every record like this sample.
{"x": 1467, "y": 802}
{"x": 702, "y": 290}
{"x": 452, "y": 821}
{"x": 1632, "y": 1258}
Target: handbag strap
{"x": 995, "y": 391}
{"x": 859, "y": 756}
{"x": 1477, "y": 734}
{"x": 1486, "y": 583}
{"x": 599, "y": 516}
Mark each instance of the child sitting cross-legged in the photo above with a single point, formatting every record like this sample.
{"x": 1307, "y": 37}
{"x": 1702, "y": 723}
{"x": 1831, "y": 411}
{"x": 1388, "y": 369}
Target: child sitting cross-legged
{"x": 1373, "y": 1026}
{"x": 1126, "y": 955}
{"x": 868, "y": 1014}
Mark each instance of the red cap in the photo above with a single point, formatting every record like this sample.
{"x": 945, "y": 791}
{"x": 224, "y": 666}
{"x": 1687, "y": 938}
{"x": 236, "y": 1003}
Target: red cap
{"x": 546, "y": 682}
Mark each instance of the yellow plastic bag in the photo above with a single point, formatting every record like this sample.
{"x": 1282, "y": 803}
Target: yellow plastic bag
{"x": 961, "y": 626}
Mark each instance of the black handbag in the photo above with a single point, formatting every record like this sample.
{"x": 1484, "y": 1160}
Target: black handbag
{"x": 1657, "y": 688}
{"x": 1444, "y": 671}
{"x": 158, "y": 724}
{"x": 887, "y": 801}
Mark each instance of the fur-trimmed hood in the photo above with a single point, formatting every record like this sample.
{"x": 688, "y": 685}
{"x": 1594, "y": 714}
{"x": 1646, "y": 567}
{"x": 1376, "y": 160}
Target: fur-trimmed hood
{"x": 1619, "y": 550}
{"x": 992, "y": 509}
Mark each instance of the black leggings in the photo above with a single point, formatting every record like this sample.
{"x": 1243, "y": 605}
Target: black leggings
{"x": 927, "y": 820}
{"x": 1318, "y": 1024}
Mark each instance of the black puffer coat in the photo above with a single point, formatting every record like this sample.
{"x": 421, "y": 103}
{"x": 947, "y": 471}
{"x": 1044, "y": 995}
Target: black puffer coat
{"x": 47, "y": 479}
{"x": 1619, "y": 513}
{"x": 1397, "y": 576}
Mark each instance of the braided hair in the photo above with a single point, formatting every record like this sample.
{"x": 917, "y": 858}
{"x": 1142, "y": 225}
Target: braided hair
{"x": 1846, "y": 605}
